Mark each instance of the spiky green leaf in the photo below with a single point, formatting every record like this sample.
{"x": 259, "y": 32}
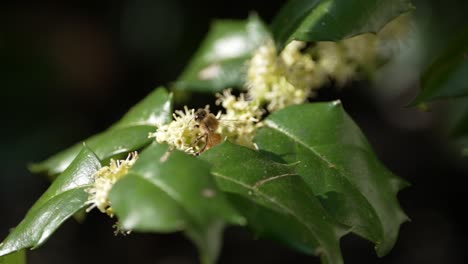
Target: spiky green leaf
{"x": 339, "y": 166}
{"x": 128, "y": 134}
{"x": 62, "y": 199}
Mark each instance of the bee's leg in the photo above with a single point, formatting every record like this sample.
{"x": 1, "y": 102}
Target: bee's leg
{"x": 198, "y": 140}
{"x": 204, "y": 146}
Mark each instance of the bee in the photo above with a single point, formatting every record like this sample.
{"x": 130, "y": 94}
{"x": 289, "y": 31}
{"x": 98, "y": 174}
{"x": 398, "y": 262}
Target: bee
{"x": 208, "y": 124}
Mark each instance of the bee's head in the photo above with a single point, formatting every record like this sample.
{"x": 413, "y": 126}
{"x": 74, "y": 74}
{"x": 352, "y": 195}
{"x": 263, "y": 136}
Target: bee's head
{"x": 200, "y": 114}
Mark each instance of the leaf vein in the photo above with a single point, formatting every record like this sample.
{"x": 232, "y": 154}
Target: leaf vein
{"x": 273, "y": 125}
{"x": 163, "y": 187}
{"x": 272, "y": 178}
{"x": 273, "y": 201}
{"x": 41, "y": 236}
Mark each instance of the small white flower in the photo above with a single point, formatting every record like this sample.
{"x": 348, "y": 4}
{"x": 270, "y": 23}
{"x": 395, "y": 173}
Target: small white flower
{"x": 287, "y": 79}
{"x": 333, "y": 60}
{"x": 238, "y": 124}
{"x": 105, "y": 178}
{"x": 302, "y": 71}
{"x": 182, "y": 133}
{"x": 240, "y": 121}
{"x": 293, "y": 76}
{"x": 342, "y": 60}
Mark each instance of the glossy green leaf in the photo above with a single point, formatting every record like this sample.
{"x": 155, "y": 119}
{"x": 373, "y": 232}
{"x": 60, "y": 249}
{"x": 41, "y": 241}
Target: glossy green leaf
{"x": 338, "y": 164}
{"x": 333, "y": 20}
{"x": 128, "y": 134}
{"x": 447, "y": 76}
{"x": 154, "y": 110}
{"x": 64, "y": 197}
{"x": 275, "y": 200}
{"x": 220, "y": 61}
{"x": 19, "y": 257}
{"x": 168, "y": 190}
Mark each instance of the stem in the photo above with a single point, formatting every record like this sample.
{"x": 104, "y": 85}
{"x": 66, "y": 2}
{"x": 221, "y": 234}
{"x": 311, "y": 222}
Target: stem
{"x": 208, "y": 240}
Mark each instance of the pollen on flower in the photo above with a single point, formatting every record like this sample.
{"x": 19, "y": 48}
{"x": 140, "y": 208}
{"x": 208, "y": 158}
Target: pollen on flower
{"x": 105, "y": 178}
{"x": 182, "y": 133}
{"x": 285, "y": 79}
{"x": 241, "y": 119}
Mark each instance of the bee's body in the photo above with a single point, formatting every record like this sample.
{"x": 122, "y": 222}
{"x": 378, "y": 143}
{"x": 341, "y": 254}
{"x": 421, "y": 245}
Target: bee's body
{"x": 208, "y": 124}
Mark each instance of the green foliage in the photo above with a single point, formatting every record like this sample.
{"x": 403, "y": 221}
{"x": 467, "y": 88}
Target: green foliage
{"x": 221, "y": 59}
{"x": 128, "y": 134}
{"x": 19, "y": 257}
{"x": 168, "y": 190}
{"x": 275, "y": 200}
{"x": 64, "y": 197}
{"x": 314, "y": 178}
{"x": 337, "y": 163}
{"x": 320, "y": 20}
{"x": 447, "y": 76}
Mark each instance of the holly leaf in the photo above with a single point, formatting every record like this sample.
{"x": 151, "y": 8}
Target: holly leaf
{"x": 338, "y": 164}
{"x": 128, "y": 134}
{"x": 447, "y": 77}
{"x": 220, "y": 61}
{"x": 19, "y": 257}
{"x": 328, "y": 20}
{"x": 65, "y": 196}
{"x": 275, "y": 200}
{"x": 168, "y": 190}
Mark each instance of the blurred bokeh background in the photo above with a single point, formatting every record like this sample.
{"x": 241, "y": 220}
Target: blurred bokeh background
{"x": 69, "y": 69}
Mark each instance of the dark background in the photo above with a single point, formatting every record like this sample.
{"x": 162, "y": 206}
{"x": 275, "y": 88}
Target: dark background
{"x": 69, "y": 70}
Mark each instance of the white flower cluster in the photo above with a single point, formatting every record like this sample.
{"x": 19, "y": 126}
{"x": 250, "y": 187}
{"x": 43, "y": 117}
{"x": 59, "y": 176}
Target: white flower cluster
{"x": 241, "y": 119}
{"x": 343, "y": 60}
{"x": 274, "y": 81}
{"x": 279, "y": 81}
{"x": 105, "y": 178}
{"x": 297, "y": 72}
{"x": 182, "y": 133}
{"x": 238, "y": 124}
